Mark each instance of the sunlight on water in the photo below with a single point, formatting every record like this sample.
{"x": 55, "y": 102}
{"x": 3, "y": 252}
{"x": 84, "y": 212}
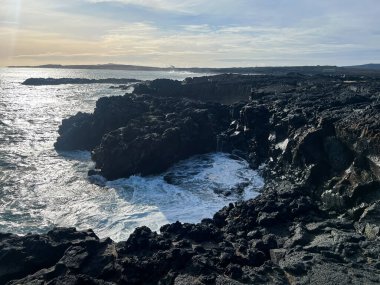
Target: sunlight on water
{"x": 40, "y": 188}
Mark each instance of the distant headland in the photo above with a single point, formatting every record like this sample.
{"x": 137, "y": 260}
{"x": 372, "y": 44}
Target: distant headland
{"x": 276, "y": 70}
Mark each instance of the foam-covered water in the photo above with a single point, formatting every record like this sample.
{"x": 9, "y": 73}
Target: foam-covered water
{"x": 40, "y": 188}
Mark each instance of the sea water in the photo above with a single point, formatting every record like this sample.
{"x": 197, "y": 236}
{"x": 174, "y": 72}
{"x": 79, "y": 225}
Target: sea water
{"x": 41, "y": 188}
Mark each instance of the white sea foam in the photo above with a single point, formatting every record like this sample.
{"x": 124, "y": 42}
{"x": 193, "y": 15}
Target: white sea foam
{"x": 40, "y": 188}
{"x": 282, "y": 145}
{"x": 199, "y": 190}
{"x": 200, "y": 186}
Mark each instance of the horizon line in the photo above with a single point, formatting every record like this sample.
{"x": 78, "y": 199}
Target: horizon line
{"x": 55, "y": 65}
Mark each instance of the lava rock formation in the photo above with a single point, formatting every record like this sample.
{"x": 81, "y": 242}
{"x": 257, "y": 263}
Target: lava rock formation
{"x": 316, "y": 221}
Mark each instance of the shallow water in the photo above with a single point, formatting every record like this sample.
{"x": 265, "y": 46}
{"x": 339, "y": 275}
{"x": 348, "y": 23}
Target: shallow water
{"x": 40, "y": 188}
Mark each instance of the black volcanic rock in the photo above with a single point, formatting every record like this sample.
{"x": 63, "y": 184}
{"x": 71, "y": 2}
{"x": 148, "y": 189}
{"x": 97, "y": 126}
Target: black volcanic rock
{"x": 143, "y": 134}
{"x": 21, "y": 256}
{"x": 153, "y": 142}
{"x": 85, "y": 131}
{"x": 240, "y": 250}
{"x": 317, "y": 220}
{"x": 224, "y": 88}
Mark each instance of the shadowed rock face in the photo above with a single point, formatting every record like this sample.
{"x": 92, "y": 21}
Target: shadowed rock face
{"x": 141, "y": 134}
{"x": 154, "y": 141}
{"x": 316, "y": 222}
{"x": 85, "y": 131}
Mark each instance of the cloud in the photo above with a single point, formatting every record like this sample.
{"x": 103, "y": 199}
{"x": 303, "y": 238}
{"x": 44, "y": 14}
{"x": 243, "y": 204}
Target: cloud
{"x": 197, "y": 28}
{"x": 193, "y": 32}
{"x": 200, "y": 45}
{"x": 185, "y": 6}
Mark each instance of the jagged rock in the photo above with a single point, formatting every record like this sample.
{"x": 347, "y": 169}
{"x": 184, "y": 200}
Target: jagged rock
{"x": 316, "y": 221}
{"x": 150, "y": 145}
{"x": 84, "y": 131}
{"x": 21, "y": 256}
{"x": 369, "y": 223}
{"x": 224, "y": 88}
{"x": 143, "y": 135}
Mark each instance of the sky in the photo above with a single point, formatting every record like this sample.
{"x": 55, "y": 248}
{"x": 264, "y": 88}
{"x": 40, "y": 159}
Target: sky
{"x": 190, "y": 33}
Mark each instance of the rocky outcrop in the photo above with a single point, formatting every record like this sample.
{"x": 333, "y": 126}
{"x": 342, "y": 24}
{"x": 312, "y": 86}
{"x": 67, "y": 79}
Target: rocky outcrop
{"x": 60, "y": 81}
{"x": 141, "y": 134}
{"x": 316, "y": 222}
{"x": 233, "y": 88}
{"x": 224, "y": 88}
{"x": 85, "y": 131}
{"x": 153, "y": 142}
{"x": 324, "y": 134}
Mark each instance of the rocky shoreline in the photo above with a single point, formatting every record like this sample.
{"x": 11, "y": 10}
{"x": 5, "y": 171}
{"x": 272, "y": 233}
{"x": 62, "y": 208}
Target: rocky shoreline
{"x": 60, "y": 81}
{"x": 316, "y": 222}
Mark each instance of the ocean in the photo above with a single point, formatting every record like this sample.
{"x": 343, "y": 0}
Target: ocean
{"x": 41, "y": 188}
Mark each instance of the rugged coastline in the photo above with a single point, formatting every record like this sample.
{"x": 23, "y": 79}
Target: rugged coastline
{"x": 61, "y": 81}
{"x": 315, "y": 222}
{"x": 365, "y": 69}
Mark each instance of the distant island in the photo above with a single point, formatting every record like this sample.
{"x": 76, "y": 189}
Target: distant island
{"x": 364, "y": 69}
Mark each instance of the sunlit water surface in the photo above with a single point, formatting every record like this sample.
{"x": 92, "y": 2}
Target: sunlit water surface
{"x": 40, "y": 188}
